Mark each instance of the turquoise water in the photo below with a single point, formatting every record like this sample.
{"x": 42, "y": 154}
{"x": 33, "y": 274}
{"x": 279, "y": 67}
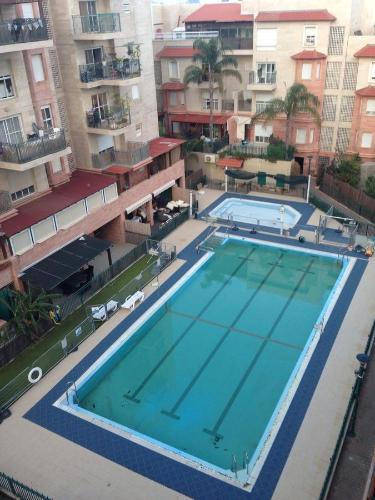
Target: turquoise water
{"x": 206, "y": 371}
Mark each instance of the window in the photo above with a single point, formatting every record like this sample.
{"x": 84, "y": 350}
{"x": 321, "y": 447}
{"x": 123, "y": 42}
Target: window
{"x": 173, "y": 98}
{"x": 263, "y": 133}
{"x": 370, "y": 107}
{"x": 27, "y": 11}
{"x": 306, "y": 71}
{"x": 22, "y": 193}
{"x": 206, "y": 103}
{"x": 173, "y": 69}
{"x": 135, "y": 92}
{"x": 6, "y": 87}
{"x": 47, "y": 116}
{"x": 366, "y": 140}
{"x": 37, "y": 65}
{"x": 10, "y": 130}
{"x": 99, "y": 104}
{"x": 372, "y": 72}
{"x": 94, "y": 55}
{"x": 267, "y": 39}
{"x": 56, "y": 165}
{"x": 301, "y": 136}
{"x": 176, "y": 128}
{"x": 260, "y": 106}
{"x": 126, "y": 7}
{"x": 138, "y": 129}
{"x": 311, "y": 136}
{"x": 309, "y": 36}
{"x": 266, "y": 73}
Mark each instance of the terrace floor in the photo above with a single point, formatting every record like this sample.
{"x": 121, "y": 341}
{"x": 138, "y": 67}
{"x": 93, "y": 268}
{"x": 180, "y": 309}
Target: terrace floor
{"x": 33, "y": 454}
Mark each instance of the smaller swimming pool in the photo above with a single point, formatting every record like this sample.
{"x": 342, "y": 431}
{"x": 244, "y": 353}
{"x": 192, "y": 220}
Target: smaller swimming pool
{"x": 259, "y": 213}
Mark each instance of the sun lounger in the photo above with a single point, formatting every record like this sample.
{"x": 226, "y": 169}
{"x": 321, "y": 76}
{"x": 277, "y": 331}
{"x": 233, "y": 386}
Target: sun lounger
{"x": 131, "y": 300}
{"x": 99, "y": 313}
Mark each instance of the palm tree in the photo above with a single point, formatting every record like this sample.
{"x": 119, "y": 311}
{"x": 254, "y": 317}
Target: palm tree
{"x": 297, "y": 100}
{"x": 214, "y": 65}
{"x": 27, "y": 311}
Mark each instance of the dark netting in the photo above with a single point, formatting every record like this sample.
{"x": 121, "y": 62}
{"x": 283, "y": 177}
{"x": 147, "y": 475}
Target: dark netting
{"x": 240, "y": 174}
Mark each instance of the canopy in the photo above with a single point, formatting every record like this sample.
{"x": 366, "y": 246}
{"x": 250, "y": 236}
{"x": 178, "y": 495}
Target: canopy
{"x": 56, "y": 268}
{"x": 240, "y": 174}
{"x": 291, "y": 180}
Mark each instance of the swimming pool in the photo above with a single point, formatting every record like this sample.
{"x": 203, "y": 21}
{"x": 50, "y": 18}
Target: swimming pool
{"x": 256, "y": 212}
{"x": 207, "y": 373}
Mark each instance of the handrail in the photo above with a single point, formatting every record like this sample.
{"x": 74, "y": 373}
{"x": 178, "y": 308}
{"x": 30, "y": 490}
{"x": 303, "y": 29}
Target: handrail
{"x": 185, "y": 35}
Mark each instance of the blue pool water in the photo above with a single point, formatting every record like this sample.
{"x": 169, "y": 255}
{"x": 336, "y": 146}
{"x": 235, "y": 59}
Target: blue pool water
{"x": 256, "y": 212}
{"x": 204, "y": 374}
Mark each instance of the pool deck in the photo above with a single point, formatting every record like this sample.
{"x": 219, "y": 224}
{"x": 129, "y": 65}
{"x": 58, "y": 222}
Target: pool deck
{"x": 62, "y": 469}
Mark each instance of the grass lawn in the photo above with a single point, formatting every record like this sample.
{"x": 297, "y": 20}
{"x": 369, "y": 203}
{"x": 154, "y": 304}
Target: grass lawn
{"x": 26, "y": 358}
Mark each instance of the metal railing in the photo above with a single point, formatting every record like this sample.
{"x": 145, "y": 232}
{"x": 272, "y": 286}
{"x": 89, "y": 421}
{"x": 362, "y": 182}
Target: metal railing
{"x": 114, "y": 118}
{"x": 185, "y": 35}
{"x": 19, "y": 490}
{"x": 33, "y": 148}
{"x": 120, "y": 68}
{"x": 250, "y": 149}
{"x": 244, "y": 105}
{"x": 135, "y": 153}
{"x": 97, "y": 23}
{"x": 260, "y": 106}
{"x": 237, "y": 43}
{"x": 23, "y": 30}
{"x": 227, "y": 105}
{"x": 257, "y": 79}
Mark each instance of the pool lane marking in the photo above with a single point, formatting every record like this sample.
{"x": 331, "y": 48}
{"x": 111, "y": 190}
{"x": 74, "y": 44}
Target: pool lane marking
{"x": 214, "y": 430}
{"x": 133, "y": 397}
{"x": 172, "y": 412}
{"x": 234, "y": 329}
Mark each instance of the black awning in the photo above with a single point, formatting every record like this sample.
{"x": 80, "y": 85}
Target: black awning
{"x": 56, "y": 268}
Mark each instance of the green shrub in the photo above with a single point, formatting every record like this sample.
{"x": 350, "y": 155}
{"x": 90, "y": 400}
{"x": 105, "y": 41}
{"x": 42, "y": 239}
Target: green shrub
{"x": 370, "y": 186}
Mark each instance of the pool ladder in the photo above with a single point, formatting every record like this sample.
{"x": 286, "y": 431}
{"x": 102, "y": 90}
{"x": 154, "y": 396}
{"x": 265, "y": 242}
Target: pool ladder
{"x": 342, "y": 253}
{"x": 71, "y": 385}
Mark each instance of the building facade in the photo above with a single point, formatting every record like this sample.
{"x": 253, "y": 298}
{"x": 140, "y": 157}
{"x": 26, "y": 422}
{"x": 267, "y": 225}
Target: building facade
{"x": 330, "y": 51}
{"x": 79, "y": 146}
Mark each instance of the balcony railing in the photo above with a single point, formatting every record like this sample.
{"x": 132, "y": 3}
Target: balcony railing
{"x": 112, "y": 118}
{"x": 97, "y": 23}
{"x": 227, "y": 105}
{"x": 135, "y": 153}
{"x": 114, "y": 69}
{"x": 33, "y": 149}
{"x": 244, "y": 105}
{"x": 185, "y": 35}
{"x": 23, "y": 30}
{"x": 264, "y": 79}
{"x": 237, "y": 43}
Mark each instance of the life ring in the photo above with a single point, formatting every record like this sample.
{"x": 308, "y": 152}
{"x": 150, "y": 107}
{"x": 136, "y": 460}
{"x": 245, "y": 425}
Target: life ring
{"x": 38, "y": 372}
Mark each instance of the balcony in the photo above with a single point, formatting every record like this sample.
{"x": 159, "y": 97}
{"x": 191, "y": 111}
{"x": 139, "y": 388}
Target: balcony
{"x": 97, "y": 26}
{"x": 14, "y": 34}
{"x": 114, "y": 120}
{"x": 135, "y": 153}
{"x": 185, "y": 35}
{"x": 33, "y": 152}
{"x": 238, "y": 44}
{"x": 244, "y": 105}
{"x": 227, "y": 105}
{"x": 265, "y": 82}
{"x": 116, "y": 71}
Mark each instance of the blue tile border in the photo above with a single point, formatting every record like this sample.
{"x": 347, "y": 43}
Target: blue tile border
{"x": 164, "y": 470}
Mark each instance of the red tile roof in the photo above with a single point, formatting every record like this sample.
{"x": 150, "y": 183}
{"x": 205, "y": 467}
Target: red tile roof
{"x": 162, "y": 145}
{"x": 176, "y": 52}
{"x": 366, "y": 91}
{"x": 81, "y": 185}
{"x": 230, "y": 162}
{"x": 308, "y": 55}
{"x": 294, "y": 15}
{"x": 223, "y": 13}
{"x": 366, "y": 51}
{"x": 173, "y": 86}
{"x": 199, "y": 118}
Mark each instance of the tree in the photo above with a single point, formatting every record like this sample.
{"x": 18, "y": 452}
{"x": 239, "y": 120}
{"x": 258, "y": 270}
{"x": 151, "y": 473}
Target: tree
{"x": 297, "y": 100}
{"x": 27, "y": 311}
{"x": 347, "y": 169}
{"x": 370, "y": 186}
{"x": 214, "y": 65}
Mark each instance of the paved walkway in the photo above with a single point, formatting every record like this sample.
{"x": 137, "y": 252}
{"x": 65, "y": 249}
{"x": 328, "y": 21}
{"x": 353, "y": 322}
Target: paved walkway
{"x": 354, "y": 464}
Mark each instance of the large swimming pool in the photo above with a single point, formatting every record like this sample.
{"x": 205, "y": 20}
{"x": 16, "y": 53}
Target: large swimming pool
{"x": 256, "y": 212}
{"x": 207, "y": 374}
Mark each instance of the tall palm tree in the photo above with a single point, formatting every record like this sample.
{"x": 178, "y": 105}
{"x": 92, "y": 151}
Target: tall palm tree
{"x": 213, "y": 66}
{"x": 297, "y": 100}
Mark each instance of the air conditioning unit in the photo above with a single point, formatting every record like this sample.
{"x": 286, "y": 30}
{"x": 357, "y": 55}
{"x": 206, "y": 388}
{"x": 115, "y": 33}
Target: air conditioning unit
{"x": 209, "y": 158}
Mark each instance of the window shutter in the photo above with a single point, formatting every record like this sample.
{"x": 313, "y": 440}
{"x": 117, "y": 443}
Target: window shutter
{"x": 267, "y": 38}
{"x": 366, "y": 140}
{"x": 301, "y": 136}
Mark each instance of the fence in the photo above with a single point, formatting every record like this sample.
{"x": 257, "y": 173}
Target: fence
{"x": 349, "y": 419}
{"x": 246, "y": 186}
{"x": 97, "y": 23}
{"x": 353, "y": 198}
{"x": 33, "y": 148}
{"x": 135, "y": 153}
{"x": 161, "y": 231}
{"x": 195, "y": 178}
{"x": 19, "y": 490}
{"x": 23, "y": 30}
{"x": 161, "y": 255}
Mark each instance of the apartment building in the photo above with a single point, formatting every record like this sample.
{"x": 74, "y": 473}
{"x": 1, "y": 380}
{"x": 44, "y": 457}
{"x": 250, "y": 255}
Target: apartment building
{"x": 79, "y": 145}
{"x": 330, "y": 51}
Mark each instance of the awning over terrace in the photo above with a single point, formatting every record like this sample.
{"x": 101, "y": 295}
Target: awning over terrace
{"x": 59, "y": 266}
{"x": 138, "y": 204}
{"x": 164, "y": 188}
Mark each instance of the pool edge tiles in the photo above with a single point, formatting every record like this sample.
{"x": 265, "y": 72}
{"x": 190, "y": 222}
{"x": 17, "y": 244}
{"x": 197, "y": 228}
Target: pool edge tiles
{"x": 172, "y": 473}
{"x": 273, "y": 424}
